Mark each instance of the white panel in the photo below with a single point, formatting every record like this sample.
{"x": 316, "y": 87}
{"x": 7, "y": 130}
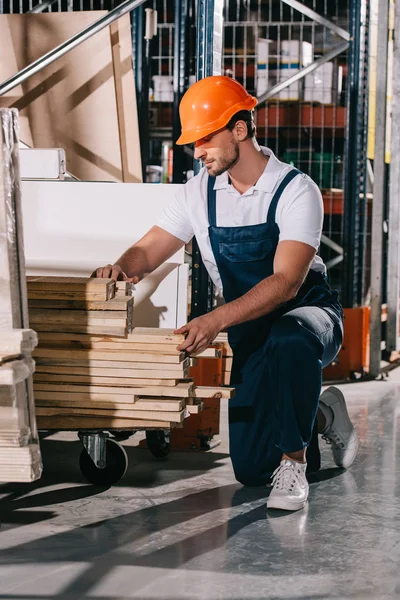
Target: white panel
{"x": 81, "y": 225}
{"x": 38, "y": 163}
{"x": 70, "y": 228}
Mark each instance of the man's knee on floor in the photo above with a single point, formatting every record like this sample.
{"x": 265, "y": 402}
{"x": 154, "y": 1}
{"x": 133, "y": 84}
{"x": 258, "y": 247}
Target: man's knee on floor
{"x": 249, "y": 474}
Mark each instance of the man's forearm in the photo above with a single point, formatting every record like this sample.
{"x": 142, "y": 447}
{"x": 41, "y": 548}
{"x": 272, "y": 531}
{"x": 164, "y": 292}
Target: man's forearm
{"x": 261, "y": 300}
{"x": 134, "y": 262}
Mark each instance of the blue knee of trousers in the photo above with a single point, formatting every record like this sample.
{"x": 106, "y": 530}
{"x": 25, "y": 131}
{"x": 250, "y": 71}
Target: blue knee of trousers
{"x": 255, "y": 473}
{"x": 289, "y": 337}
{"x": 249, "y": 475}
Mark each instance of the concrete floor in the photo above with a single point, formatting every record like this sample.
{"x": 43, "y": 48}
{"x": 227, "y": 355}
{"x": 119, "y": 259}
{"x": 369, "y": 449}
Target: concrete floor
{"x": 184, "y": 529}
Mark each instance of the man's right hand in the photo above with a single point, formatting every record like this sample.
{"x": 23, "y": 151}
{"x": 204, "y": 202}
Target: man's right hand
{"x": 113, "y": 272}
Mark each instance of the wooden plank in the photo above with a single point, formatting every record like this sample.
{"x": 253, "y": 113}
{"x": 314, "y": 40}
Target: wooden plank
{"x": 57, "y": 388}
{"x": 40, "y": 315}
{"x": 160, "y": 404}
{"x": 13, "y": 298}
{"x": 15, "y": 371}
{"x": 78, "y": 397}
{"x": 222, "y": 338}
{"x": 69, "y": 423}
{"x": 18, "y": 341}
{"x": 133, "y": 338}
{"x": 115, "y": 369}
{"x": 125, "y": 287}
{"x": 117, "y": 303}
{"x": 212, "y": 352}
{"x": 195, "y": 409}
{"x": 153, "y": 403}
{"x": 168, "y": 416}
{"x": 86, "y": 329}
{"x": 118, "y": 77}
{"x": 226, "y": 378}
{"x": 48, "y": 382}
{"x": 101, "y": 296}
{"x": 53, "y": 283}
{"x": 98, "y": 389}
{"x": 227, "y": 363}
{"x": 89, "y": 342}
{"x": 155, "y": 335}
{"x": 102, "y": 379}
{"x": 156, "y": 360}
{"x": 213, "y": 392}
{"x": 16, "y": 456}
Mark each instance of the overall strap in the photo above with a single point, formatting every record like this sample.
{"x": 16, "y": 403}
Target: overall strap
{"x": 211, "y": 202}
{"x": 275, "y": 199}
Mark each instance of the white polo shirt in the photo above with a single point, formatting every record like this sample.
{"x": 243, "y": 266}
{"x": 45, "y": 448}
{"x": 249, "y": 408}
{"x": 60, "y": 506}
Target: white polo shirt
{"x": 299, "y": 214}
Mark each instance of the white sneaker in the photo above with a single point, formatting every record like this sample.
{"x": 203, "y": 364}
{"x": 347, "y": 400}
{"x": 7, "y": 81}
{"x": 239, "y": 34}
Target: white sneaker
{"x": 340, "y": 433}
{"x": 289, "y": 486}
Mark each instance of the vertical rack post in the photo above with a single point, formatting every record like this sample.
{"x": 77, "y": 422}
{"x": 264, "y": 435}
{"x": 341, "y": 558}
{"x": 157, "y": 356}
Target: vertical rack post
{"x": 209, "y": 53}
{"x": 393, "y": 279}
{"x": 379, "y": 192}
{"x": 356, "y": 161}
{"x": 180, "y": 81}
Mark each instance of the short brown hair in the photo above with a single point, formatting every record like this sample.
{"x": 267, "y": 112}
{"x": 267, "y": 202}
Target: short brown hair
{"x": 247, "y": 117}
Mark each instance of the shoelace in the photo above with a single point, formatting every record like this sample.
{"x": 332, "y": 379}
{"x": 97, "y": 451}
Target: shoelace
{"x": 333, "y": 438}
{"x": 285, "y": 477}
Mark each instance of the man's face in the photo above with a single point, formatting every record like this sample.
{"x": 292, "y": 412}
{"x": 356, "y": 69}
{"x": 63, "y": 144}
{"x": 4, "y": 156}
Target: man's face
{"x": 218, "y": 151}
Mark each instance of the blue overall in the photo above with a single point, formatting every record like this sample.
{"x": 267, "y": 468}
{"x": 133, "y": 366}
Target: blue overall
{"x": 277, "y": 358}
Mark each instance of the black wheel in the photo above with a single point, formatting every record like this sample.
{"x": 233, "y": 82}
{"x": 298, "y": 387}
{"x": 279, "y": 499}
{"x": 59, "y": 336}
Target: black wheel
{"x": 121, "y": 436}
{"x": 158, "y": 442}
{"x": 115, "y": 469}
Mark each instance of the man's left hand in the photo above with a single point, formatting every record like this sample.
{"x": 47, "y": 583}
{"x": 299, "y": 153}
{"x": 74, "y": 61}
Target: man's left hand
{"x": 201, "y": 332}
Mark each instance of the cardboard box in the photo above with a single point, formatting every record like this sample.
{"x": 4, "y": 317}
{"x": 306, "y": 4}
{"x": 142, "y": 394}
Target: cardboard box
{"x": 278, "y": 75}
{"x": 323, "y": 85}
{"x": 285, "y": 60}
{"x": 262, "y": 66}
{"x": 38, "y": 163}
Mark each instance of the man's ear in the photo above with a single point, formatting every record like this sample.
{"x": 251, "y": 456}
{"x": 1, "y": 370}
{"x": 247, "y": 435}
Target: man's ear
{"x": 241, "y": 131}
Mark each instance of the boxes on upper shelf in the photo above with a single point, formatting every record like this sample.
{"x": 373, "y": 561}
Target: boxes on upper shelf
{"x": 324, "y": 84}
{"x": 278, "y": 61}
{"x": 163, "y": 90}
{"x": 262, "y": 66}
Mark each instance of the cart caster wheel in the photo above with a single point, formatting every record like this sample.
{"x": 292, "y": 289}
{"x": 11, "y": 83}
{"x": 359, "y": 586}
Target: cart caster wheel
{"x": 115, "y": 469}
{"x": 158, "y": 442}
{"x": 121, "y": 436}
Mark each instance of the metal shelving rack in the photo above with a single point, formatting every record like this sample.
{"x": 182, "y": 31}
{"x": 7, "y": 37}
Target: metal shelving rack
{"x": 325, "y": 139}
{"x": 313, "y": 136}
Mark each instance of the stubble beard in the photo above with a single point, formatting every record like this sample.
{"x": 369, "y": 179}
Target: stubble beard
{"x": 226, "y": 163}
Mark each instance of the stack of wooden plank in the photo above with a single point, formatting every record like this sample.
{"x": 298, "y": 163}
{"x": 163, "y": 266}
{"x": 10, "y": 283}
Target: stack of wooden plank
{"x": 19, "y": 449}
{"x": 227, "y": 357}
{"x": 137, "y": 382}
{"x": 80, "y": 305}
{"x": 20, "y": 458}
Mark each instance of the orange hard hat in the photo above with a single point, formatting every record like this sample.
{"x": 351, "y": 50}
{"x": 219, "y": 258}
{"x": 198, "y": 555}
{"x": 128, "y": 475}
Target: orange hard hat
{"x": 209, "y": 104}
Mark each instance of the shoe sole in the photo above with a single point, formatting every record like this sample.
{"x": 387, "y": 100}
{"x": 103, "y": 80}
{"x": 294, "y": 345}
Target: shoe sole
{"x": 350, "y": 457}
{"x": 332, "y": 396}
{"x": 282, "y": 504}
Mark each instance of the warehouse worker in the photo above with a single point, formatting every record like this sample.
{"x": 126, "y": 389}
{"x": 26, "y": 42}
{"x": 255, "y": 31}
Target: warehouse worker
{"x": 258, "y": 225}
